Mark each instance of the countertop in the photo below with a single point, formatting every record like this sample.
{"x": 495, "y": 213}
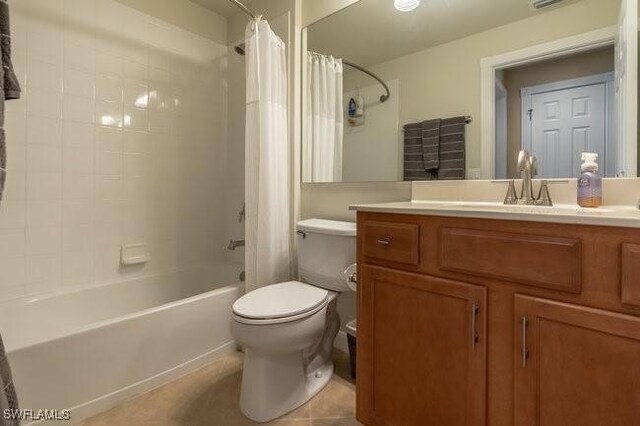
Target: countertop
{"x": 619, "y": 216}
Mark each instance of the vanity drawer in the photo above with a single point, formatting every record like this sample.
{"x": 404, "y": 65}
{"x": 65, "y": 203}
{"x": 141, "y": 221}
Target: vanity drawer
{"x": 536, "y": 260}
{"x": 392, "y": 242}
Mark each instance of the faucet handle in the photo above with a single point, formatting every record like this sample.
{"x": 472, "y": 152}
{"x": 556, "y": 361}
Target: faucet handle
{"x": 534, "y": 166}
{"x": 544, "y": 198}
{"x": 512, "y": 197}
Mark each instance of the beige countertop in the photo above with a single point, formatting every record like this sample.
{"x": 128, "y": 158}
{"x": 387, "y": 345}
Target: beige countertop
{"x": 620, "y": 216}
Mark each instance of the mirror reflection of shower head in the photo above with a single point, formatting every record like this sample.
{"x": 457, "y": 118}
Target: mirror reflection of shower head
{"x": 239, "y": 49}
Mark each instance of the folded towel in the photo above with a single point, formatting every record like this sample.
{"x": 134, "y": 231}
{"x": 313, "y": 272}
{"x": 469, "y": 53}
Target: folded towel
{"x": 8, "y": 398}
{"x": 413, "y": 156}
{"x": 9, "y": 89}
{"x": 431, "y": 144}
{"x": 452, "y": 148}
{"x": 9, "y": 86}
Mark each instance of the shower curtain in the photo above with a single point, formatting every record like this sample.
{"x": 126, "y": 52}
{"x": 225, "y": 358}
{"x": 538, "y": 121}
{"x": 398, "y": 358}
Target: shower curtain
{"x": 323, "y": 139}
{"x": 267, "y": 181}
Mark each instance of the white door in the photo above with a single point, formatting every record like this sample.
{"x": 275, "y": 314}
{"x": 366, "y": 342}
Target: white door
{"x": 627, "y": 88}
{"x": 564, "y": 123}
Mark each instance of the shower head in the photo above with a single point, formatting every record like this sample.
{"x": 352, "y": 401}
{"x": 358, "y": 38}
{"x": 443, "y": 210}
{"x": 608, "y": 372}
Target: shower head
{"x": 239, "y": 49}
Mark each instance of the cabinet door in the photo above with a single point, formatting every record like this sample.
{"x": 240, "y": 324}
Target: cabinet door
{"x": 421, "y": 350}
{"x": 575, "y": 365}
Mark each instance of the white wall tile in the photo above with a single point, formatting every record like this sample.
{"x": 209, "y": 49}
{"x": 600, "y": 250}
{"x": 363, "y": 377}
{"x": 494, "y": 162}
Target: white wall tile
{"x": 45, "y": 240}
{"x": 79, "y": 83}
{"x": 117, "y": 123}
{"x": 44, "y": 186}
{"x": 44, "y": 213}
{"x": 109, "y": 114}
{"x": 78, "y": 108}
{"x": 43, "y": 131}
{"x": 109, "y": 88}
{"x": 13, "y": 214}
{"x": 44, "y": 75}
{"x": 77, "y": 186}
{"x": 44, "y": 103}
{"x": 78, "y": 134}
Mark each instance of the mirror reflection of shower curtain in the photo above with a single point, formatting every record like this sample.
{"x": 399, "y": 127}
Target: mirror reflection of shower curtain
{"x": 267, "y": 171}
{"x": 322, "y": 161}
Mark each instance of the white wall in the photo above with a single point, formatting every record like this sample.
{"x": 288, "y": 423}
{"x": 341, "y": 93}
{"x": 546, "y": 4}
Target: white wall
{"x": 444, "y": 81}
{"x": 370, "y": 150}
{"x": 119, "y": 138}
{"x": 184, "y": 14}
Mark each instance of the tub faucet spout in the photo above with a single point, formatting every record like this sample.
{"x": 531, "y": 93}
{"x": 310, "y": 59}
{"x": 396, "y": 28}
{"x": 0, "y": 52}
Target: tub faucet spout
{"x": 235, "y": 244}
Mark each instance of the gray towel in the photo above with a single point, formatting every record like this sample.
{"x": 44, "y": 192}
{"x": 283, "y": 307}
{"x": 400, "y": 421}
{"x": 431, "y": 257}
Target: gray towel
{"x": 10, "y": 87}
{"x": 431, "y": 144}
{"x": 413, "y": 155}
{"x": 8, "y": 398}
{"x": 452, "y": 148}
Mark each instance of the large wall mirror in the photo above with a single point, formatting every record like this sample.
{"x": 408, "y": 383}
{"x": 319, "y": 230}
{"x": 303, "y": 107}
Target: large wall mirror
{"x": 454, "y": 89}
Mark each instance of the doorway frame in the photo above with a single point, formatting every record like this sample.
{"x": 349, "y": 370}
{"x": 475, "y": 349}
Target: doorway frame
{"x": 489, "y": 66}
{"x": 608, "y": 79}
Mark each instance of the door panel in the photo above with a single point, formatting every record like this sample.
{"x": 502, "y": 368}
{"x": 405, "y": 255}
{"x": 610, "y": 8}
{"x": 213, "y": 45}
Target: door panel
{"x": 582, "y": 366}
{"x": 565, "y": 123}
{"x": 422, "y": 353}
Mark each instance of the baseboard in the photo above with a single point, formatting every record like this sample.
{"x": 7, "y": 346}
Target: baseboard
{"x": 341, "y": 342}
{"x": 105, "y": 402}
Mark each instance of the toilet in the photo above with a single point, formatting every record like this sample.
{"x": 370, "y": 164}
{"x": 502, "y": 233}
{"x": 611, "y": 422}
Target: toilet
{"x": 288, "y": 329}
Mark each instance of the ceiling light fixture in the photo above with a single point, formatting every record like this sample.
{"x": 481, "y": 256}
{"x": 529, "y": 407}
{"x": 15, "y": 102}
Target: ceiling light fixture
{"x": 406, "y": 5}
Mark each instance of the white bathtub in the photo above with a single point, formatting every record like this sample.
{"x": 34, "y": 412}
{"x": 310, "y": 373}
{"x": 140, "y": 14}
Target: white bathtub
{"x": 88, "y": 350}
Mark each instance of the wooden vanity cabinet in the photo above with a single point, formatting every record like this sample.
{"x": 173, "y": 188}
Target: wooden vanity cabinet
{"x": 486, "y": 322}
{"x": 575, "y": 365}
{"x": 423, "y": 350}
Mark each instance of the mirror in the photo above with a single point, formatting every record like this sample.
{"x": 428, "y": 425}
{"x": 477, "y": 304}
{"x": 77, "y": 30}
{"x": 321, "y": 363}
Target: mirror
{"x": 454, "y": 89}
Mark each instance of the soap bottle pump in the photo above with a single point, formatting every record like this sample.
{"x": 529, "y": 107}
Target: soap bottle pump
{"x": 590, "y": 182}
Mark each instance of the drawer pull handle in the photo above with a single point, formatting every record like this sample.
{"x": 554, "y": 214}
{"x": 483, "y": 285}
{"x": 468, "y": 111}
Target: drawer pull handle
{"x": 475, "y": 337}
{"x": 384, "y": 241}
{"x": 525, "y": 349}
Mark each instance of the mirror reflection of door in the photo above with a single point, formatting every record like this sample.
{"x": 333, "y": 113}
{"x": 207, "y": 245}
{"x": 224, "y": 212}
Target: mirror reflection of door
{"x": 564, "y": 119}
{"x": 558, "y": 108}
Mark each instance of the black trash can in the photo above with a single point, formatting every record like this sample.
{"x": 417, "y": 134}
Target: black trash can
{"x": 351, "y": 339}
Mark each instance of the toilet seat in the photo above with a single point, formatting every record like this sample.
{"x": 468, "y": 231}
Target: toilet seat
{"x": 278, "y": 303}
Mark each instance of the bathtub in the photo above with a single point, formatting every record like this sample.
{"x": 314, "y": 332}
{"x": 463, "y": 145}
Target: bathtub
{"x": 88, "y": 350}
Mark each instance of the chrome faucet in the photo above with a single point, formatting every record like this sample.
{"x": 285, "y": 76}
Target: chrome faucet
{"x": 528, "y": 169}
{"x": 235, "y": 244}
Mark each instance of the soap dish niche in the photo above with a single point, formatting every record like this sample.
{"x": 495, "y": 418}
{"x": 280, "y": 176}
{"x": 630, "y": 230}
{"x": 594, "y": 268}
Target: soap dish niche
{"x": 134, "y": 254}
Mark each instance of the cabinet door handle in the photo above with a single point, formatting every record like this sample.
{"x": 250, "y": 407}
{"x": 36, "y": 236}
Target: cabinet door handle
{"x": 525, "y": 350}
{"x": 474, "y": 325}
{"x": 384, "y": 241}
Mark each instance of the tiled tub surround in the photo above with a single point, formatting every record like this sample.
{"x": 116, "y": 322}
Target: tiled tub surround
{"x": 120, "y": 138}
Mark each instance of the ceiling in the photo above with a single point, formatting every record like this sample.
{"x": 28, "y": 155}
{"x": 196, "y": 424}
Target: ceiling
{"x": 222, "y": 7}
{"x": 372, "y": 31}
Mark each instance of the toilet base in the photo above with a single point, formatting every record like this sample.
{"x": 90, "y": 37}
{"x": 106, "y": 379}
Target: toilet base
{"x": 275, "y": 386}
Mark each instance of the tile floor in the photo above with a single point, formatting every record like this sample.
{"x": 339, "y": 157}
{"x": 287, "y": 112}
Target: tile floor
{"x": 209, "y": 397}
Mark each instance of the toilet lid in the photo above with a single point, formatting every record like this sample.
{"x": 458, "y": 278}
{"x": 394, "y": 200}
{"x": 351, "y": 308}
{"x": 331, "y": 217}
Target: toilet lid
{"x": 280, "y": 301}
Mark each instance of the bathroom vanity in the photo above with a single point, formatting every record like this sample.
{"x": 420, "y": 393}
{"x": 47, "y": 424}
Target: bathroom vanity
{"x": 474, "y": 316}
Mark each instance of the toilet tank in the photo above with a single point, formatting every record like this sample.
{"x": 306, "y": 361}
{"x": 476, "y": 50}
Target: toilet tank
{"x": 325, "y": 249}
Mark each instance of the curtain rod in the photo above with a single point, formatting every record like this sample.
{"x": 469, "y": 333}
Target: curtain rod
{"x": 383, "y": 98}
{"x": 245, "y": 9}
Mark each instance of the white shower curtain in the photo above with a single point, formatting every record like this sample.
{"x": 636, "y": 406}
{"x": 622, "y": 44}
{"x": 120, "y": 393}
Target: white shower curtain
{"x": 267, "y": 234}
{"x": 322, "y": 150}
